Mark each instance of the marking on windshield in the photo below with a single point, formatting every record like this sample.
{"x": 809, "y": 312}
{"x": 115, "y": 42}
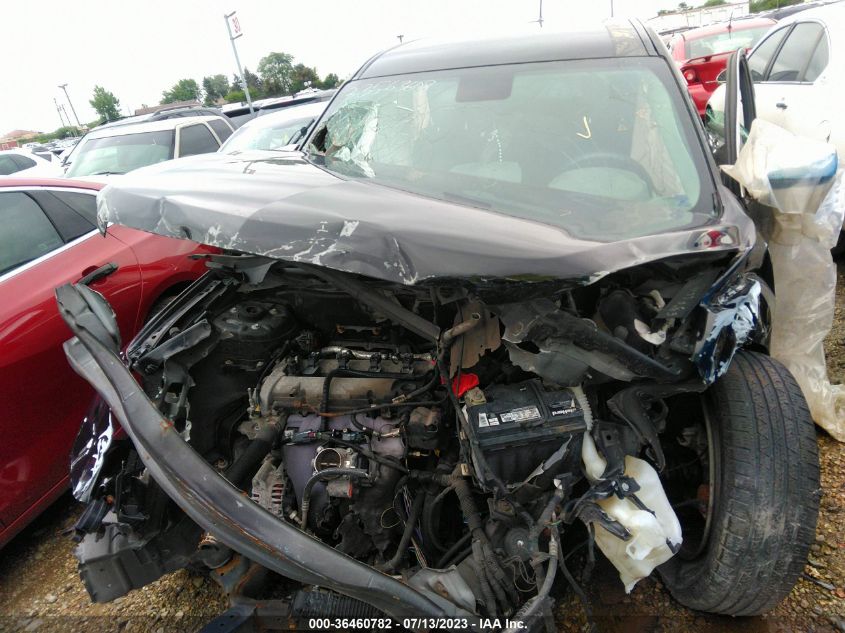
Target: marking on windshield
{"x": 589, "y": 133}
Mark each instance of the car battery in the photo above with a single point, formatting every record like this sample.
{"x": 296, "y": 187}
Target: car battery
{"x": 518, "y": 427}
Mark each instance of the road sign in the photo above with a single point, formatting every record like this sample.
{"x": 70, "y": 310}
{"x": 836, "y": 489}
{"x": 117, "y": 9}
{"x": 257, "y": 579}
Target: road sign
{"x": 234, "y": 26}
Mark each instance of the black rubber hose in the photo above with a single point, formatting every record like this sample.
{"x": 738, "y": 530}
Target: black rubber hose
{"x": 481, "y": 551}
{"x": 483, "y": 581}
{"x": 450, "y": 553}
{"x": 427, "y": 522}
{"x": 532, "y": 608}
{"x": 413, "y": 517}
{"x": 576, "y": 588}
{"x": 546, "y": 514}
{"x": 353, "y": 473}
{"x": 242, "y": 469}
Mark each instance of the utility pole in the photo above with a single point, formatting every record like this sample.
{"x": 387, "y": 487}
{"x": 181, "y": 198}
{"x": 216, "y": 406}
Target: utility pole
{"x": 232, "y": 20}
{"x": 611, "y": 8}
{"x": 59, "y": 110}
{"x": 72, "y": 109}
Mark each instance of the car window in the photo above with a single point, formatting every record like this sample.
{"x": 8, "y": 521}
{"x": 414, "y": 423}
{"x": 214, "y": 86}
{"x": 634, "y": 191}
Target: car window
{"x": 196, "y": 139}
{"x": 7, "y": 165}
{"x": 268, "y": 134}
{"x": 818, "y": 62}
{"x": 794, "y": 55}
{"x": 24, "y": 162}
{"x": 759, "y": 60}
{"x": 70, "y": 223}
{"x": 25, "y": 232}
{"x": 223, "y": 131}
{"x": 85, "y": 204}
{"x": 724, "y": 42}
{"x": 121, "y": 153}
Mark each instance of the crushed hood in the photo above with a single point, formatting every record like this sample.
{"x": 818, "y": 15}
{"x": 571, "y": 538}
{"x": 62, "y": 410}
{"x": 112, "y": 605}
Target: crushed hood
{"x": 281, "y": 206}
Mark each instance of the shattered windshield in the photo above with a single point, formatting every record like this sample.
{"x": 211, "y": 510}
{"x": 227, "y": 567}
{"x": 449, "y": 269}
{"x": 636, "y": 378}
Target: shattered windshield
{"x": 602, "y": 148}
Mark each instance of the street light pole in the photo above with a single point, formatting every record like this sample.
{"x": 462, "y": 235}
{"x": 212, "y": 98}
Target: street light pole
{"x": 59, "y": 110}
{"x": 72, "y": 109}
{"x": 232, "y": 39}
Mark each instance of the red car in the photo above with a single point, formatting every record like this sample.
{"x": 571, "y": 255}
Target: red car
{"x": 703, "y": 53}
{"x": 48, "y": 237}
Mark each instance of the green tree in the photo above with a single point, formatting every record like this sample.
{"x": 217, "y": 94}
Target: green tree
{"x": 215, "y": 87}
{"x": 714, "y": 3}
{"x": 105, "y": 104}
{"x": 235, "y": 96}
{"x": 302, "y": 77}
{"x": 683, "y": 6}
{"x": 256, "y": 86}
{"x": 276, "y": 69}
{"x": 330, "y": 81}
{"x": 182, "y": 90}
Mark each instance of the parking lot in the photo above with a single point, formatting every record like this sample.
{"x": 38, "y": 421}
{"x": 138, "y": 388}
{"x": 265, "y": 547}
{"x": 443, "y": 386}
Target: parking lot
{"x": 503, "y": 325}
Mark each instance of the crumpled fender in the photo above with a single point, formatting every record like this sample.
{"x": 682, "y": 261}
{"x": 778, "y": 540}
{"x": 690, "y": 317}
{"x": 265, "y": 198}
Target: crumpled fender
{"x": 210, "y": 500}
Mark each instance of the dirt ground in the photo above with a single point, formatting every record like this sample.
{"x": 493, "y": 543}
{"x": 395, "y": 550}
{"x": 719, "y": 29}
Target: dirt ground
{"x": 40, "y": 589}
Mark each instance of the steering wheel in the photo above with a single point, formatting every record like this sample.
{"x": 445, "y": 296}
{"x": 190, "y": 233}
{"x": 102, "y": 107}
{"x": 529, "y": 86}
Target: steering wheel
{"x": 616, "y": 161}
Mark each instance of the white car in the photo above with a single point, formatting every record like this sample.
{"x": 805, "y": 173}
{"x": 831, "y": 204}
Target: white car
{"x": 22, "y": 162}
{"x": 115, "y": 150}
{"x": 275, "y": 130}
{"x": 797, "y": 70}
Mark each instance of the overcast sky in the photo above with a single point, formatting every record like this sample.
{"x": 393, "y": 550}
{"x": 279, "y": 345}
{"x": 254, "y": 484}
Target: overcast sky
{"x": 138, "y": 49}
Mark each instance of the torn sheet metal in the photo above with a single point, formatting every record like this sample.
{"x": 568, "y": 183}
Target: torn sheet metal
{"x": 281, "y": 206}
{"x": 89, "y": 450}
{"x": 805, "y": 201}
{"x": 569, "y": 345}
{"x": 733, "y": 315}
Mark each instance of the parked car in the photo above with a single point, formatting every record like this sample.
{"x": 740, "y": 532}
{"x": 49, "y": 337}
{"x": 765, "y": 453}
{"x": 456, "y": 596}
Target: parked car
{"x": 23, "y": 162}
{"x": 276, "y": 130}
{"x": 499, "y": 287}
{"x": 48, "y": 237}
{"x": 178, "y": 112}
{"x": 796, "y": 69}
{"x": 240, "y": 113}
{"x": 119, "y": 150}
{"x": 702, "y": 53}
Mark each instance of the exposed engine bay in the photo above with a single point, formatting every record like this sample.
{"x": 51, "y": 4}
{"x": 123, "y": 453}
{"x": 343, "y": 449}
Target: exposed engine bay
{"x": 446, "y": 436}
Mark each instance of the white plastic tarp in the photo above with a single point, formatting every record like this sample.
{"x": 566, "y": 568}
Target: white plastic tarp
{"x": 797, "y": 180}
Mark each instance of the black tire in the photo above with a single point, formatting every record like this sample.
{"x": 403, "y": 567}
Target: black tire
{"x": 765, "y": 493}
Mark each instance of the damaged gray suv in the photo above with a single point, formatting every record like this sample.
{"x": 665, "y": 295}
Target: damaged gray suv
{"x": 498, "y": 304}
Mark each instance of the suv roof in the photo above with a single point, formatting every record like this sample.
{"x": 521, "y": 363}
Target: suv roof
{"x": 618, "y": 38}
{"x": 161, "y": 115}
{"x": 147, "y": 126}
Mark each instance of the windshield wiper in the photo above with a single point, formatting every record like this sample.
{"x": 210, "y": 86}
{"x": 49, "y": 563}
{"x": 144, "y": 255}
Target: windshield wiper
{"x": 107, "y": 173}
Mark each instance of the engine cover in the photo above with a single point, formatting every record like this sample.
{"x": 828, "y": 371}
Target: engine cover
{"x": 519, "y": 427}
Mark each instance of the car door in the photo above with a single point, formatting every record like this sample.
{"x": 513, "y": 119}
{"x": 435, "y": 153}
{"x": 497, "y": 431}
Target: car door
{"x": 47, "y": 238}
{"x": 195, "y": 138}
{"x": 804, "y": 85}
{"x": 793, "y": 93}
{"x": 759, "y": 62}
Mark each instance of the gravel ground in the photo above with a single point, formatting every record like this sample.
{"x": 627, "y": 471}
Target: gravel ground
{"x": 40, "y": 590}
